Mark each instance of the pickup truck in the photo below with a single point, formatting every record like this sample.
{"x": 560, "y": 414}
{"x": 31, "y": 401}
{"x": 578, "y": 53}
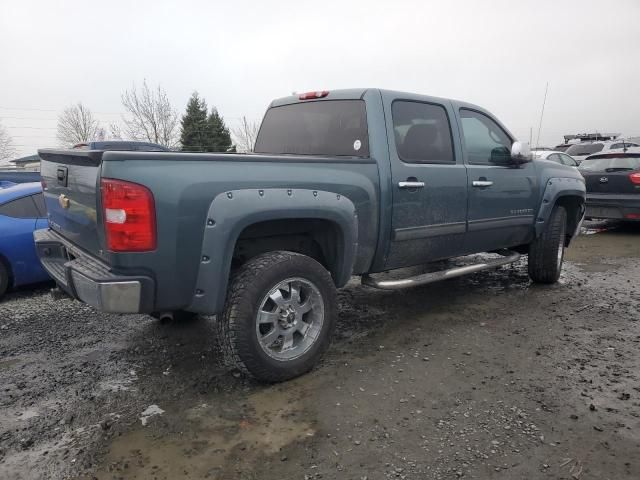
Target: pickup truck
{"x": 341, "y": 184}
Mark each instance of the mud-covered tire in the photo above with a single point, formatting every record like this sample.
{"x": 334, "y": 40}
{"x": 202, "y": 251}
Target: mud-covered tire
{"x": 4, "y": 279}
{"x": 251, "y": 292}
{"x": 546, "y": 253}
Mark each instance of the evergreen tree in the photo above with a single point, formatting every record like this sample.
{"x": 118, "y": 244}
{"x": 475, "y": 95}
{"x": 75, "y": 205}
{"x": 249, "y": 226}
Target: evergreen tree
{"x": 194, "y": 134}
{"x": 218, "y": 133}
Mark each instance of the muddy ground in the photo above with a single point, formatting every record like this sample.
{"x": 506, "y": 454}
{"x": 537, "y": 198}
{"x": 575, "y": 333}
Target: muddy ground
{"x": 485, "y": 376}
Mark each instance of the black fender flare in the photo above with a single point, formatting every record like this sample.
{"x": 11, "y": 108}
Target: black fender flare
{"x": 555, "y": 189}
{"x": 231, "y": 212}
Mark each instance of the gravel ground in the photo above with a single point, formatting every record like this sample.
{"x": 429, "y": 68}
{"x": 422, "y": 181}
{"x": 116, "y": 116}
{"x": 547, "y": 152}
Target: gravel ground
{"x": 486, "y": 376}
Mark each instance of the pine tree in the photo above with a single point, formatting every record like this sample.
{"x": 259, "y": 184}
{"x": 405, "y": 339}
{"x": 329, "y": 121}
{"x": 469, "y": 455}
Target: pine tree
{"x": 194, "y": 134}
{"x": 219, "y": 136}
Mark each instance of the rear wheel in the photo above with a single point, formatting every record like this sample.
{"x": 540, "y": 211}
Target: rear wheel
{"x": 546, "y": 253}
{"x": 4, "y": 279}
{"x": 279, "y": 315}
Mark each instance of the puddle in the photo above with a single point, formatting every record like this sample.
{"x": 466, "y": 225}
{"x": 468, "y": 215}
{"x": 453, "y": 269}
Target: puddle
{"x": 8, "y": 363}
{"x": 198, "y": 442}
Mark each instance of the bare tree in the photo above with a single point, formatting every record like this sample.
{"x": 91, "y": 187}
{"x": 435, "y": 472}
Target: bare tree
{"x": 76, "y": 124}
{"x": 7, "y": 149}
{"x": 150, "y": 116}
{"x": 244, "y": 135}
{"x": 115, "y": 132}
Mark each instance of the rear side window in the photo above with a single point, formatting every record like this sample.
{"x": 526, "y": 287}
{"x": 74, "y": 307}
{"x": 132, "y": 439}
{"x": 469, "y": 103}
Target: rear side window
{"x": 485, "y": 141}
{"x": 610, "y": 164}
{"x": 38, "y": 199}
{"x": 23, "y": 207}
{"x": 328, "y": 128}
{"x": 584, "y": 149}
{"x": 422, "y": 132}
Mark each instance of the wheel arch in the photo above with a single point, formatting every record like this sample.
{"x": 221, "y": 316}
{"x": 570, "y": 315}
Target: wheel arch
{"x": 569, "y": 193}
{"x": 238, "y": 217}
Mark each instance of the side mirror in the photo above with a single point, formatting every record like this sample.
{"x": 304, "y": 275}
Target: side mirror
{"x": 520, "y": 153}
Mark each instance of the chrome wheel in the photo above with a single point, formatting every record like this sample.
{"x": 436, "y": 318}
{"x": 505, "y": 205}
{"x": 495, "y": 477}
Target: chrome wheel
{"x": 290, "y": 319}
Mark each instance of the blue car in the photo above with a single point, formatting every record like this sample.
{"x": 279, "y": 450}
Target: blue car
{"x": 21, "y": 212}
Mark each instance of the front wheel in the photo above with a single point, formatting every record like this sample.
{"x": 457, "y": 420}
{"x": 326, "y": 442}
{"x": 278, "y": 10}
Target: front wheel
{"x": 279, "y": 315}
{"x": 546, "y": 253}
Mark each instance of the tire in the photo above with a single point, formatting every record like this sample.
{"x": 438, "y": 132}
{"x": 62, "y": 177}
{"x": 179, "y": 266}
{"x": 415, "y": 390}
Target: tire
{"x": 266, "y": 329}
{"x": 4, "y": 279}
{"x": 546, "y": 253}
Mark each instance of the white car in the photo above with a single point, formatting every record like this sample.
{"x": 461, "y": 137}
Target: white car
{"x": 558, "y": 157}
{"x": 580, "y": 151}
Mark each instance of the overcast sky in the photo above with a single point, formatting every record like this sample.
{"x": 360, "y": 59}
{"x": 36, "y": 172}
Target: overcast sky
{"x": 241, "y": 54}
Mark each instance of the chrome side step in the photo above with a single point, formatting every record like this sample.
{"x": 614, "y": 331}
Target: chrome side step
{"x": 509, "y": 257}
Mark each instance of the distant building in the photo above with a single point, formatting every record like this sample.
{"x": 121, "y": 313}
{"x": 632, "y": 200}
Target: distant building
{"x": 29, "y": 162}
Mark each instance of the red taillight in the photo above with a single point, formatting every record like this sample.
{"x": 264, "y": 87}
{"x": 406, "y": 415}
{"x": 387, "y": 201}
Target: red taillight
{"x": 43, "y": 184}
{"x": 129, "y": 216}
{"x": 311, "y": 95}
{"x": 632, "y": 216}
{"x": 635, "y": 178}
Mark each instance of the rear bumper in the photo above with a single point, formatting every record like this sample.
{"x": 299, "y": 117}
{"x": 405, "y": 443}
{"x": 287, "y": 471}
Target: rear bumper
{"x": 91, "y": 281}
{"x": 620, "y": 207}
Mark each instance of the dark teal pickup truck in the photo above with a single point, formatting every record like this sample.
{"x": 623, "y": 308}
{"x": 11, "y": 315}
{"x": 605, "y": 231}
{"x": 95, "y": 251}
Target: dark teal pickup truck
{"x": 341, "y": 183}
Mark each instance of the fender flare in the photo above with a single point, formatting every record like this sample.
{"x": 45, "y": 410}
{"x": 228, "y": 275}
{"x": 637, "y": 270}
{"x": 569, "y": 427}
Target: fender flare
{"x": 555, "y": 189}
{"x": 232, "y": 211}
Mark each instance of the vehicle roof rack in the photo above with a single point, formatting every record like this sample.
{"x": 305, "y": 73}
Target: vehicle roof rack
{"x": 589, "y": 137}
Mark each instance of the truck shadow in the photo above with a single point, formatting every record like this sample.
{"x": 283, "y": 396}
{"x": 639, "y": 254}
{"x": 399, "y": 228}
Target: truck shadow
{"x": 181, "y": 357}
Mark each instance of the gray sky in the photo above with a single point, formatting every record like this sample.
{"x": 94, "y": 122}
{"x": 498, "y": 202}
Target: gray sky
{"x": 241, "y": 54}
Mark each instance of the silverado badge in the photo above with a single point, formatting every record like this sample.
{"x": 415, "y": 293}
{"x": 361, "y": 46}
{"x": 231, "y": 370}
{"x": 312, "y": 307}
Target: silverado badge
{"x": 63, "y": 201}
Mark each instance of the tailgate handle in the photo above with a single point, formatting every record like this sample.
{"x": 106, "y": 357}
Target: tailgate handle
{"x": 62, "y": 176}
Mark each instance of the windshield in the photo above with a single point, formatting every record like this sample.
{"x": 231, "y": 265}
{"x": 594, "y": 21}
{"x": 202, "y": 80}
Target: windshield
{"x": 610, "y": 164}
{"x": 332, "y": 128}
{"x": 584, "y": 149}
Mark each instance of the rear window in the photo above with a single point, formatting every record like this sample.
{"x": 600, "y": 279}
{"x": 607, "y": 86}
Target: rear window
{"x": 331, "y": 128}
{"x": 609, "y": 163}
{"x": 584, "y": 149}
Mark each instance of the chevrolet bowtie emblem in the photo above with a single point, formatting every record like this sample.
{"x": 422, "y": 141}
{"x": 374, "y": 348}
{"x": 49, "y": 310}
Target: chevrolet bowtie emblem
{"x": 64, "y": 201}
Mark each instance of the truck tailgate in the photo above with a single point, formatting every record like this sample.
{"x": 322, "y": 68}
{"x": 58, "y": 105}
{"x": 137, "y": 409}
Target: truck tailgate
{"x": 71, "y": 194}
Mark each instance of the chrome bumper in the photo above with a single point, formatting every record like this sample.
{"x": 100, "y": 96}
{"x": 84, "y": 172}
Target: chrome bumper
{"x": 89, "y": 280}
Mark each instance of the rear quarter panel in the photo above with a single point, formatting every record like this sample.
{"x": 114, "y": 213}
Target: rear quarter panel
{"x": 185, "y": 185}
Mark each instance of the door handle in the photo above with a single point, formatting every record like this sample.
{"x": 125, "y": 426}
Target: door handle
{"x": 410, "y": 184}
{"x": 482, "y": 183}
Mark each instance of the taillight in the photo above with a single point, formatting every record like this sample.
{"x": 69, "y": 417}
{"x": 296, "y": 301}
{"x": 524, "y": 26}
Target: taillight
{"x": 311, "y": 95}
{"x": 129, "y": 216}
{"x": 635, "y": 178}
{"x": 43, "y": 183}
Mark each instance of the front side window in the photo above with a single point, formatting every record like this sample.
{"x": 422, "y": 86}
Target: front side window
{"x": 327, "y": 127}
{"x": 422, "y": 132}
{"x": 23, "y": 207}
{"x": 485, "y": 141}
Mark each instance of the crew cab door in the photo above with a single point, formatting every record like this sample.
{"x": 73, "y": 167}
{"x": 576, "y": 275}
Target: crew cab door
{"x": 428, "y": 182}
{"x": 502, "y": 195}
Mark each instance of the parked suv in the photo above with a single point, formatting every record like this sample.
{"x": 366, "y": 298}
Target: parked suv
{"x": 582, "y": 150}
{"x": 613, "y": 185}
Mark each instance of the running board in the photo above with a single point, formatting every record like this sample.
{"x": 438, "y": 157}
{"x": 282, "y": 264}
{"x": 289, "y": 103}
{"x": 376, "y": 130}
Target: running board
{"x": 509, "y": 257}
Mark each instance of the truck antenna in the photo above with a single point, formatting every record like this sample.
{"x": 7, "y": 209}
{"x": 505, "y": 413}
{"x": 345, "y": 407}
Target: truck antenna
{"x": 541, "y": 115}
